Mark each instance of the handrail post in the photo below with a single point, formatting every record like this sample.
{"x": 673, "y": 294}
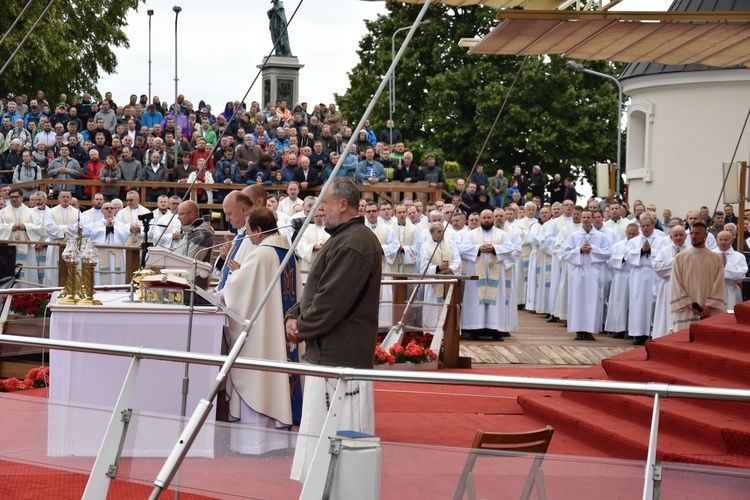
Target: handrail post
{"x": 653, "y": 471}
{"x": 452, "y": 328}
{"x": 108, "y": 458}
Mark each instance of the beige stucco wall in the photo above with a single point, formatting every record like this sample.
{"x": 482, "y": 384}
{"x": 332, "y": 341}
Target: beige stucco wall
{"x": 689, "y": 124}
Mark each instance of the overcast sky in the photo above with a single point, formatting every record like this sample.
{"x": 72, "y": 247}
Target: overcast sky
{"x": 221, "y": 42}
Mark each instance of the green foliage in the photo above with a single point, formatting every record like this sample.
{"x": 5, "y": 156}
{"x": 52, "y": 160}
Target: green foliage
{"x": 451, "y": 166}
{"x": 68, "y": 49}
{"x": 447, "y": 100}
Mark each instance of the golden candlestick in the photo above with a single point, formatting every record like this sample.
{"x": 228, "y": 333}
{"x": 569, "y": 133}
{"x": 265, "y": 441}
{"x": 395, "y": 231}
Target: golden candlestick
{"x": 69, "y": 294}
{"x": 87, "y": 287}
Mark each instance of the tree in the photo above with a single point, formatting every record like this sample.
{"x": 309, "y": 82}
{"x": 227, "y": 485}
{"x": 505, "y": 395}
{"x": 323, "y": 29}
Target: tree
{"x": 68, "y": 49}
{"x": 447, "y": 100}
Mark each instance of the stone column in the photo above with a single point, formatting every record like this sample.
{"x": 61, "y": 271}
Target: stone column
{"x": 280, "y": 80}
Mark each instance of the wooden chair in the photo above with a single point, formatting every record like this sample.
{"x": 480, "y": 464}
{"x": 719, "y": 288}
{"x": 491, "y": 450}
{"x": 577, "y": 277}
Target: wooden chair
{"x": 516, "y": 442}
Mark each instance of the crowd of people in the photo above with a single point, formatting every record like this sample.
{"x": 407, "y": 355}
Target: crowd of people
{"x": 146, "y": 141}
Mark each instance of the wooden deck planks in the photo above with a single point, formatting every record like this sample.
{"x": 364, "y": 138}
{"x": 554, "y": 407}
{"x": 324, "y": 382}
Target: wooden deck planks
{"x": 540, "y": 343}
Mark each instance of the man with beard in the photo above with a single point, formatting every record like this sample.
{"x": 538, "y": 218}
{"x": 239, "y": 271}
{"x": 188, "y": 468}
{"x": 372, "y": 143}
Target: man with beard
{"x": 697, "y": 288}
{"x": 18, "y": 224}
{"x": 484, "y": 303}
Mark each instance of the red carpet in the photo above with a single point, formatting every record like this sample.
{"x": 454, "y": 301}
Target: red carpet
{"x": 714, "y": 352}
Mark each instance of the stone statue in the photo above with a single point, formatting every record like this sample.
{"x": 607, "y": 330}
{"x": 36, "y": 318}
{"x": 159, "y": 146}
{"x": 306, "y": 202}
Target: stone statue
{"x": 277, "y": 17}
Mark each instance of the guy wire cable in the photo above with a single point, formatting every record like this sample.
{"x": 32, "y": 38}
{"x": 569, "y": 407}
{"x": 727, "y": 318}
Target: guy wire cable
{"x": 28, "y": 4}
{"x": 224, "y": 132}
{"x": 734, "y": 155}
{"x": 182, "y": 445}
{"x": 21, "y": 44}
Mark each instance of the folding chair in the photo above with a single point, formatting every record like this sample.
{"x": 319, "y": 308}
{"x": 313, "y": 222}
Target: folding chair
{"x": 517, "y": 442}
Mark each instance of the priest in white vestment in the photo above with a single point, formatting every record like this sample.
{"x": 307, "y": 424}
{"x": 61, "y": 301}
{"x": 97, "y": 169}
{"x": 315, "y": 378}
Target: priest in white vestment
{"x": 92, "y": 215}
{"x": 513, "y": 270}
{"x": 697, "y": 289}
{"x": 641, "y": 252}
{"x": 438, "y": 255}
{"x": 311, "y": 242}
{"x": 486, "y": 249}
{"x": 616, "y": 222}
{"x": 523, "y": 227}
{"x": 110, "y": 232}
{"x": 18, "y": 224}
{"x": 129, "y": 216}
{"x": 619, "y": 292}
{"x": 695, "y": 216}
{"x": 547, "y": 247}
{"x": 262, "y": 402}
{"x": 561, "y": 304}
{"x": 39, "y": 209}
{"x": 233, "y": 254}
{"x": 389, "y": 243}
{"x": 409, "y": 238}
{"x": 663, "y": 320}
{"x": 287, "y": 204}
{"x": 586, "y": 251}
{"x": 60, "y": 223}
{"x": 735, "y": 268}
{"x": 537, "y": 268}
{"x": 165, "y": 226}
{"x": 606, "y": 276}
{"x": 552, "y": 247}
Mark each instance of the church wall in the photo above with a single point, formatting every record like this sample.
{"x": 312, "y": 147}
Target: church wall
{"x": 681, "y": 127}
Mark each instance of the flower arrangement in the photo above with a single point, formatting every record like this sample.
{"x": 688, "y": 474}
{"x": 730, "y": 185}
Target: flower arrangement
{"x": 30, "y": 304}
{"x": 36, "y": 378}
{"x": 414, "y": 348}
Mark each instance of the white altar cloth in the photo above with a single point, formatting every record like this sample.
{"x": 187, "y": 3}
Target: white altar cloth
{"x": 88, "y": 385}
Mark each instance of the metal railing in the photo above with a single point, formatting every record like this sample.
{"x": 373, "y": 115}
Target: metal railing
{"x": 653, "y": 389}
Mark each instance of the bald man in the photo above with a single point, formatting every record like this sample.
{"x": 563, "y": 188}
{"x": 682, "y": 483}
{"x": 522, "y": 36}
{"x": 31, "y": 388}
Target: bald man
{"x": 197, "y": 235}
{"x": 662, "y": 265}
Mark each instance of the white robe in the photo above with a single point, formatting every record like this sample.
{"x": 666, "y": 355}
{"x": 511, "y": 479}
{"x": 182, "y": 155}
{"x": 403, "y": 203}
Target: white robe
{"x": 513, "y": 270}
{"x": 109, "y": 270}
{"x": 585, "y": 284}
{"x": 88, "y": 219}
{"x": 305, "y": 254}
{"x": 544, "y": 267}
{"x": 710, "y": 241}
{"x": 410, "y": 239}
{"x": 641, "y": 285}
{"x": 523, "y": 227}
{"x": 561, "y": 304}
{"x": 25, "y": 254}
{"x": 41, "y": 252}
{"x": 59, "y": 227}
{"x": 130, "y": 217}
{"x": 475, "y": 315}
{"x": 734, "y": 272}
{"x": 620, "y": 227}
{"x": 431, "y": 313}
{"x": 551, "y": 247}
{"x": 536, "y": 261}
{"x": 259, "y": 399}
{"x": 163, "y": 227}
{"x": 286, "y": 205}
{"x": 389, "y": 243}
{"x": 619, "y": 295}
{"x": 662, "y": 266}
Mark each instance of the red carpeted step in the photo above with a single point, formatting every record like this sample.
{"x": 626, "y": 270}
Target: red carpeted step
{"x": 621, "y": 437}
{"x": 713, "y": 427}
{"x": 659, "y": 371}
{"x": 703, "y": 358}
{"x": 735, "y": 336}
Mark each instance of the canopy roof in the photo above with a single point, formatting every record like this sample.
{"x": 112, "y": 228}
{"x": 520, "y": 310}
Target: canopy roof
{"x": 718, "y": 39}
{"x": 499, "y": 4}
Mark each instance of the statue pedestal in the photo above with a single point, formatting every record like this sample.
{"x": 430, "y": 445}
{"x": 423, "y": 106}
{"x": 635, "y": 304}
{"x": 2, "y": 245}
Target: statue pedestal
{"x": 281, "y": 80}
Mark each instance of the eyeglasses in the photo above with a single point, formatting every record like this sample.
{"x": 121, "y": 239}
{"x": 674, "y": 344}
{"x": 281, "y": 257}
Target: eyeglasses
{"x": 371, "y": 211}
{"x": 12, "y": 197}
{"x": 107, "y": 208}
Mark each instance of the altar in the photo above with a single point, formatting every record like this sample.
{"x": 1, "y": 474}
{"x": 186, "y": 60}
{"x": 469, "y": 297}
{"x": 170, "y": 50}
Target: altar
{"x": 85, "y": 386}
